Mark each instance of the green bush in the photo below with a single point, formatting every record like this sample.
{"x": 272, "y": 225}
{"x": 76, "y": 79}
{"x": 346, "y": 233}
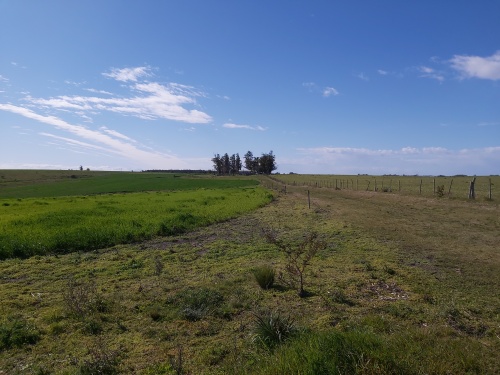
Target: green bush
{"x": 17, "y": 332}
{"x": 272, "y": 329}
{"x": 264, "y": 275}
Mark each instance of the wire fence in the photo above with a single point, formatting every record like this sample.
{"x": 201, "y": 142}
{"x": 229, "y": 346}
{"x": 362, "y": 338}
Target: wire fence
{"x": 467, "y": 187}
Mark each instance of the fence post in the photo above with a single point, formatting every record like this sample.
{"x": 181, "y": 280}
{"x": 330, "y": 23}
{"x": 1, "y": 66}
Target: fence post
{"x": 399, "y": 185}
{"x": 309, "y": 199}
{"x": 472, "y": 193}
{"x": 449, "y": 190}
{"x": 420, "y": 187}
{"x": 490, "y": 197}
{"x": 434, "y": 186}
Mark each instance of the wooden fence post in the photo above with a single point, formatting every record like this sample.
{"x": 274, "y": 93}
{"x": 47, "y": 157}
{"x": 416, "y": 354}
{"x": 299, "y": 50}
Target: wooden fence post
{"x": 420, "y": 187}
{"x": 490, "y": 196}
{"x": 449, "y": 190}
{"x": 472, "y": 193}
{"x": 309, "y": 199}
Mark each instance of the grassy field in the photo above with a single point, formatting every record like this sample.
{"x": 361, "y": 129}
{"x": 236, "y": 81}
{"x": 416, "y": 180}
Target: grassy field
{"x": 29, "y": 184}
{"x": 58, "y": 221}
{"x": 452, "y": 186}
{"x": 402, "y": 285}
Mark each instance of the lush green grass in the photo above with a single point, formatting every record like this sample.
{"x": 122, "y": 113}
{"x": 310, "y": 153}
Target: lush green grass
{"x": 60, "y": 225}
{"x": 27, "y": 184}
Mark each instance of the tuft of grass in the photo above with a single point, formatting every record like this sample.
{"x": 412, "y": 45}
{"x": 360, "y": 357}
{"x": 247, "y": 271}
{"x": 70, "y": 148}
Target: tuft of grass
{"x": 272, "y": 329}
{"x": 197, "y": 303}
{"x": 264, "y": 275}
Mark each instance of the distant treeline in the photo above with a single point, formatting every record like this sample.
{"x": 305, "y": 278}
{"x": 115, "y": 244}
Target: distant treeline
{"x": 192, "y": 171}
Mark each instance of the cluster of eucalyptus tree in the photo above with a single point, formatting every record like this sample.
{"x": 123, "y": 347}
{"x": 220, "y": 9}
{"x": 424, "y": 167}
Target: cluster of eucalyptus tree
{"x": 225, "y": 164}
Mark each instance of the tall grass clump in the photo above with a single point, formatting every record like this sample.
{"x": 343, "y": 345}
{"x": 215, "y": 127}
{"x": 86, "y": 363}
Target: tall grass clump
{"x": 264, "y": 275}
{"x": 272, "y": 329}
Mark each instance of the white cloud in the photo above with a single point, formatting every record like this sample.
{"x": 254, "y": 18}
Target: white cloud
{"x": 99, "y": 91}
{"x": 116, "y": 134}
{"x": 148, "y": 100}
{"x": 363, "y": 76}
{"x": 477, "y": 67}
{"x": 129, "y": 74}
{"x": 382, "y": 72}
{"x": 328, "y": 91}
{"x": 3, "y": 79}
{"x": 106, "y": 140}
{"x": 427, "y": 72}
{"x": 249, "y": 127}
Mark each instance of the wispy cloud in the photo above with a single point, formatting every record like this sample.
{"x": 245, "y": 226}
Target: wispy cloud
{"x": 325, "y": 91}
{"x": 249, "y": 127}
{"x": 99, "y": 91}
{"x": 427, "y": 72}
{"x": 477, "y": 66}
{"x": 148, "y": 100}
{"x": 3, "y": 79}
{"x": 382, "y": 72}
{"x": 329, "y": 91}
{"x": 129, "y": 74}
{"x": 105, "y": 140}
{"x": 362, "y": 76}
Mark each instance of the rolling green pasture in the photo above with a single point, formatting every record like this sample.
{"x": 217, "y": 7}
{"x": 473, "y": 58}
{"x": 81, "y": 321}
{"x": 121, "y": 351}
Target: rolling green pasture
{"x": 454, "y": 186}
{"x": 26, "y": 184}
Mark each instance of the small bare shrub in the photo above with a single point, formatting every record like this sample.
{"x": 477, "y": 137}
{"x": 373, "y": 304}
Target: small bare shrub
{"x": 101, "y": 360}
{"x": 440, "y": 191}
{"x": 298, "y": 255}
{"x": 158, "y": 265}
{"x": 83, "y": 299}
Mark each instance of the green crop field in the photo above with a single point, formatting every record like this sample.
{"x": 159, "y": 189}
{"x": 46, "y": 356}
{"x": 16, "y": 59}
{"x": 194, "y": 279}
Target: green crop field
{"x": 26, "y": 184}
{"x": 394, "y": 284}
{"x": 57, "y": 221}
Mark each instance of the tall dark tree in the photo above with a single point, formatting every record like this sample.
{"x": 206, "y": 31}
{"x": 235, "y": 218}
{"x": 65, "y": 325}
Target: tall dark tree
{"x": 238, "y": 163}
{"x": 217, "y": 163}
{"x": 232, "y": 164}
{"x": 226, "y": 164}
{"x": 249, "y": 161}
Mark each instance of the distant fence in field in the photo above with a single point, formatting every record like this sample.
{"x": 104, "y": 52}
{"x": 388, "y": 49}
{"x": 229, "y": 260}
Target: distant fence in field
{"x": 482, "y": 187}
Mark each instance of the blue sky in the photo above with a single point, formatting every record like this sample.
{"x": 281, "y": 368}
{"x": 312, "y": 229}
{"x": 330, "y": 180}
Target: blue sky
{"x": 342, "y": 87}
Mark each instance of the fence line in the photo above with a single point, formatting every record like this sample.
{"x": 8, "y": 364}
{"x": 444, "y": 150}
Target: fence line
{"x": 452, "y": 187}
